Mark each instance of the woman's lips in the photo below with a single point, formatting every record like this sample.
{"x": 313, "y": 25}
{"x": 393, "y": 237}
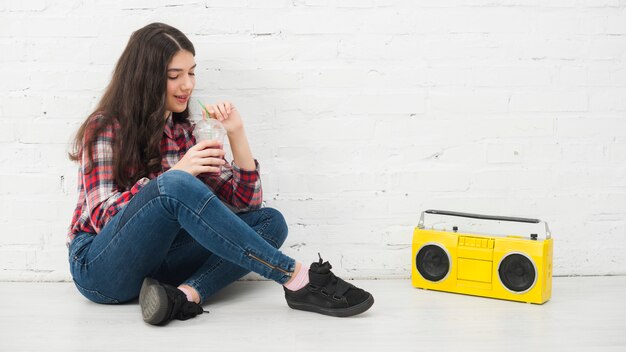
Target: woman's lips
{"x": 181, "y": 98}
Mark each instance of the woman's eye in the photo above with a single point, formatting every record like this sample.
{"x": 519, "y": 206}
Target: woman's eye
{"x": 172, "y": 77}
{"x": 192, "y": 73}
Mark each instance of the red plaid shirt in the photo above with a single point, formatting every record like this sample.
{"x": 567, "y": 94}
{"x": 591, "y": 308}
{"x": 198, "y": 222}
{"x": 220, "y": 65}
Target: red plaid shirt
{"x": 99, "y": 198}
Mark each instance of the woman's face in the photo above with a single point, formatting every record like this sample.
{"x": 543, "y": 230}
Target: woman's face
{"x": 181, "y": 80}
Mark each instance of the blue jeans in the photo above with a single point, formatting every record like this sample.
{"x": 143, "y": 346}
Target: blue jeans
{"x": 176, "y": 230}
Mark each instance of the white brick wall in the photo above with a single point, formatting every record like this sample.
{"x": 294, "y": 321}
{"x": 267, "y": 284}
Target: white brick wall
{"x": 362, "y": 113}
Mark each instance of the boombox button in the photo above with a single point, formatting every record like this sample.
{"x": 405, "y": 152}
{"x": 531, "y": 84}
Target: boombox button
{"x": 533, "y": 236}
{"x": 475, "y": 242}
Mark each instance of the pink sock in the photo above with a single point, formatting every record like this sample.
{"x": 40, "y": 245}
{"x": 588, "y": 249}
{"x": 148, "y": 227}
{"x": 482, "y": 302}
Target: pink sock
{"x": 299, "y": 281}
{"x": 187, "y": 293}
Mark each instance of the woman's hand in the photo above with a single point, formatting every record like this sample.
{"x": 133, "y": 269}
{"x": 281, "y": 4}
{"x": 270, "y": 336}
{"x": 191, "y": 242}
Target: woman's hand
{"x": 204, "y": 157}
{"x": 226, "y": 113}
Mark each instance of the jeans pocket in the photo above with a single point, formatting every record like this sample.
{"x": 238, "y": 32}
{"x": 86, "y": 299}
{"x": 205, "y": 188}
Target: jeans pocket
{"x": 78, "y": 247}
{"x": 95, "y": 296}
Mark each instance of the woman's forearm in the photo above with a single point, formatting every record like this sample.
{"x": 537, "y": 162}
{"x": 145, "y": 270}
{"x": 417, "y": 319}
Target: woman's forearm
{"x": 242, "y": 155}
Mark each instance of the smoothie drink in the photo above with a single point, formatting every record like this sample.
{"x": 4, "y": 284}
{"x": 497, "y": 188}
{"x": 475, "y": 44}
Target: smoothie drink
{"x": 209, "y": 129}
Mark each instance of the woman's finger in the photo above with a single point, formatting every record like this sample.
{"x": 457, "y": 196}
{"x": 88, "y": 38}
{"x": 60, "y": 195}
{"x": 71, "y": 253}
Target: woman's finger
{"x": 212, "y": 162}
{"x": 214, "y": 112}
{"x": 222, "y": 109}
{"x": 208, "y": 169}
{"x": 211, "y": 153}
{"x": 207, "y": 144}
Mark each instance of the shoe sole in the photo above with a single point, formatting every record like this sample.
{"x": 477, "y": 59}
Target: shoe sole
{"x": 335, "y": 312}
{"x": 151, "y": 298}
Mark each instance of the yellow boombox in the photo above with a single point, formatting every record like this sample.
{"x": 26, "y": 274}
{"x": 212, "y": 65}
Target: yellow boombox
{"x": 514, "y": 268}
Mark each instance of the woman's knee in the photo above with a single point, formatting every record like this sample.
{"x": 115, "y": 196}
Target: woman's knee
{"x": 278, "y": 226}
{"x": 175, "y": 182}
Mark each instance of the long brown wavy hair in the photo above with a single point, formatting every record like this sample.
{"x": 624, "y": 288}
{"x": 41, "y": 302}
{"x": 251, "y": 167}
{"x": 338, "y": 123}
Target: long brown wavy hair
{"x": 135, "y": 98}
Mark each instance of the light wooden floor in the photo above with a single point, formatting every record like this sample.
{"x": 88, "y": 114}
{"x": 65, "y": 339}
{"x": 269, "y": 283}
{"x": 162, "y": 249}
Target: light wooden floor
{"x": 585, "y": 313}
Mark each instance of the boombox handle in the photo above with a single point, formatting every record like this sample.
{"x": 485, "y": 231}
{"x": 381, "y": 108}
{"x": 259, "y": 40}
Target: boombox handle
{"x": 482, "y": 217}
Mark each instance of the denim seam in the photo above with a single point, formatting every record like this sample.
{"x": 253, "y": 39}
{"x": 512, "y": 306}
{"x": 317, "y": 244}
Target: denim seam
{"x": 205, "y": 203}
{"x": 278, "y": 267}
{"x": 115, "y": 236}
{"x": 74, "y": 255}
{"x": 97, "y": 293}
{"x": 261, "y": 230}
{"x": 121, "y": 215}
{"x": 204, "y": 222}
{"x": 243, "y": 250}
{"x": 194, "y": 282}
{"x": 266, "y": 223}
{"x": 117, "y": 230}
{"x": 269, "y": 240}
{"x": 164, "y": 194}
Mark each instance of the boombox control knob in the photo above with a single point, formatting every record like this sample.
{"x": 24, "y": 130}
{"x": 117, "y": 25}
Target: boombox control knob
{"x": 533, "y": 236}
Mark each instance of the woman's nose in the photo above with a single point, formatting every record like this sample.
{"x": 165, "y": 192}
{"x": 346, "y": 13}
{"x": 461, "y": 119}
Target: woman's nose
{"x": 188, "y": 83}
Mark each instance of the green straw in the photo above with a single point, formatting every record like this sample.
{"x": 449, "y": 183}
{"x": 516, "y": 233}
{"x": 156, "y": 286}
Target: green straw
{"x": 205, "y": 109}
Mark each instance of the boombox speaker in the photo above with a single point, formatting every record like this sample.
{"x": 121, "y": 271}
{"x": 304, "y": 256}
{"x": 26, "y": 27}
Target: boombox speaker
{"x": 513, "y": 268}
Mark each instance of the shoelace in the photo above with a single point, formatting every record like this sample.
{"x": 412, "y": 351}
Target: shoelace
{"x": 323, "y": 265}
{"x": 338, "y": 286}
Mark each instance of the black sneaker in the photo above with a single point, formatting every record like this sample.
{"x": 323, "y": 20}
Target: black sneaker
{"x": 161, "y": 303}
{"x": 327, "y": 294}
